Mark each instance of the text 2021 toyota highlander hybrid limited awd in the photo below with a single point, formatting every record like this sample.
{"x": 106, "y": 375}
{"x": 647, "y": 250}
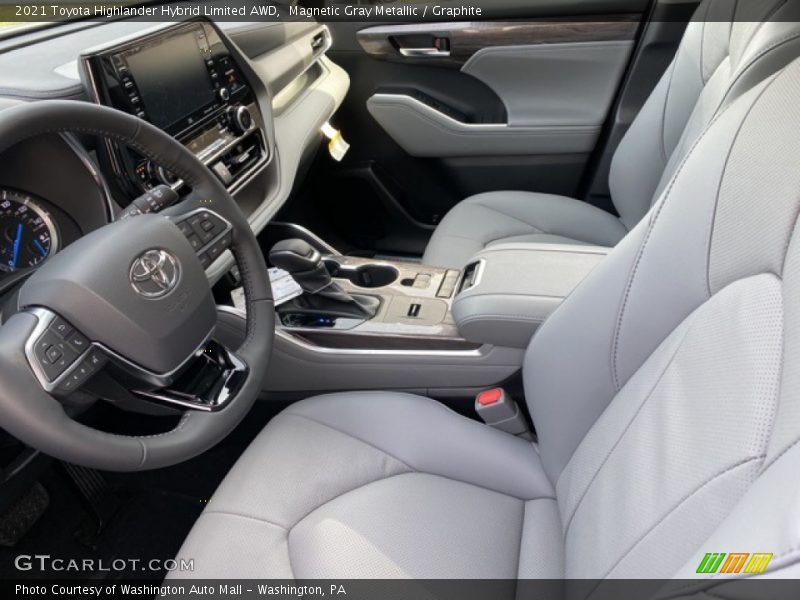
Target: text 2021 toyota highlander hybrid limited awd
{"x": 490, "y": 299}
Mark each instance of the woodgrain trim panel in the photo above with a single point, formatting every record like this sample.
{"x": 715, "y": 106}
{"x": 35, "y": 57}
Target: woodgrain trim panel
{"x": 467, "y": 38}
{"x": 353, "y": 341}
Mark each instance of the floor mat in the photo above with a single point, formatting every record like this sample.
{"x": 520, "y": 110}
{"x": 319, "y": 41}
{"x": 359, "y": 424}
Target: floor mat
{"x": 150, "y": 524}
{"x": 157, "y": 511}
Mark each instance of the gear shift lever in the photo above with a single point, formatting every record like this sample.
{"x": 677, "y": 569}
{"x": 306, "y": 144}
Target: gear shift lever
{"x": 322, "y": 295}
{"x": 304, "y": 263}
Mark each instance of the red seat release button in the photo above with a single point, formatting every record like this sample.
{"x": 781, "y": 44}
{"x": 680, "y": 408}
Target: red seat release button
{"x": 490, "y": 396}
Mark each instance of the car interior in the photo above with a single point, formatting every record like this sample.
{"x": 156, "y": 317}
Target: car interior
{"x": 500, "y": 298}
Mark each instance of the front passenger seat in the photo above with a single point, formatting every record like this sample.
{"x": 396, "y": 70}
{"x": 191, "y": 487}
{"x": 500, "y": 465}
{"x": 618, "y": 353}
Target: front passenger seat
{"x": 727, "y": 48}
{"x": 665, "y": 391}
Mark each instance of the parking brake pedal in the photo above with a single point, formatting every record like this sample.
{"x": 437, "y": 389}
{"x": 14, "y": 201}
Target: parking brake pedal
{"x": 100, "y": 499}
{"x": 498, "y": 410}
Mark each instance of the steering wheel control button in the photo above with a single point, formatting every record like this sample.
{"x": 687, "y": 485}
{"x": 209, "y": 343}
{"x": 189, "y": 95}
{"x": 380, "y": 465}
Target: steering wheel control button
{"x": 63, "y": 358}
{"x": 72, "y": 382}
{"x": 207, "y": 224}
{"x": 78, "y": 376}
{"x": 68, "y": 385}
{"x": 204, "y": 227}
{"x": 185, "y": 228}
{"x": 95, "y": 359}
{"x": 53, "y": 355}
{"x": 78, "y": 342}
{"x": 220, "y": 246}
{"x": 208, "y": 233}
{"x": 61, "y": 327}
{"x": 195, "y": 241}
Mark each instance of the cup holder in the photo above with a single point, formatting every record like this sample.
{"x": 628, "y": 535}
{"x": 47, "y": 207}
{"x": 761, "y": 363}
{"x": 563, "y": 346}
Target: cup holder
{"x": 364, "y": 276}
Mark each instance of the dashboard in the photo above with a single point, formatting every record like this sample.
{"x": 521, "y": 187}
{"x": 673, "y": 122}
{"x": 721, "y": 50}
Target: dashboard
{"x": 187, "y": 81}
{"x": 248, "y": 99}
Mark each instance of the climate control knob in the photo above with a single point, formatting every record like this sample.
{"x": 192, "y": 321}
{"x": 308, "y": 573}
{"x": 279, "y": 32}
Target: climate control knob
{"x": 240, "y": 119}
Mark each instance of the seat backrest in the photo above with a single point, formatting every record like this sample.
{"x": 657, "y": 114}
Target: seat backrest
{"x": 666, "y": 388}
{"x": 728, "y": 47}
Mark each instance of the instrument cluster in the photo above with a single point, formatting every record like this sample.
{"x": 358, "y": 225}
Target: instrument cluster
{"x": 50, "y": 196}
{"x": 28, "y": 233}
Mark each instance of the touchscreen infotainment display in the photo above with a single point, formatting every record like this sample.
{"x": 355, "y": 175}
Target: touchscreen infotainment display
{"x": 172, "y": 78}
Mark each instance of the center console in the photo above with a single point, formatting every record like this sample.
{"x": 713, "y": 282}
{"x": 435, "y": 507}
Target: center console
{"x": 187, "y": 81}
{"x": 500, "y": 298}
{"x": 419, "y": 328}
{"x": 517, "y": 287}
{"x": 361, "y": 303}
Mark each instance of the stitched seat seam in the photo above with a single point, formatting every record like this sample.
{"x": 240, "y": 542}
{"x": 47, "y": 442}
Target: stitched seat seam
{"x": 654, "y": 219}
{"x": 517, "y": 219}
{"x": 624, "y": 432}
{"x": 332, "y": 428}
{"x": 414, "y": 469}
{"x": 340, "y": 495}
{"x": 245, "y": 516}
{"x": 681, "y": 502}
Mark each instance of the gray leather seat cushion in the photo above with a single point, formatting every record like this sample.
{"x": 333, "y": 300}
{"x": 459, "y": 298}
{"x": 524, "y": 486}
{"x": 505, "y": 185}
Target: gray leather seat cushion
{"x": 354, "y": 485}
{"x": 504, "y": 217}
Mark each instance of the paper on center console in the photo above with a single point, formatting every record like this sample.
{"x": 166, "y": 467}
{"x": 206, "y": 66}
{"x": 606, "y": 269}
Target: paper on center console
{"x": 284, "y": 289}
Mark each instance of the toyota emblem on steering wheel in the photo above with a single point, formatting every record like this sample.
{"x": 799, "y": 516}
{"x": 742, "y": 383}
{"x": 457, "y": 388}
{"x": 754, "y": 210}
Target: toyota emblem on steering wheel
{"x": 155, "y": 274}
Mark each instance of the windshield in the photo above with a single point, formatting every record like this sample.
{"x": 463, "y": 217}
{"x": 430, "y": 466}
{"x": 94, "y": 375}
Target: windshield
{"x": 9, "y": 28}
{"x": 18, "y": 17}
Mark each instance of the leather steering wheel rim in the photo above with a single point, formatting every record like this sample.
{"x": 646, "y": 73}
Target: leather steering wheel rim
{"x": 35, "y": 417}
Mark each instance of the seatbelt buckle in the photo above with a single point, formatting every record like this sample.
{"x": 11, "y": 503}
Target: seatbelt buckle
{"x": 499, "y": 410}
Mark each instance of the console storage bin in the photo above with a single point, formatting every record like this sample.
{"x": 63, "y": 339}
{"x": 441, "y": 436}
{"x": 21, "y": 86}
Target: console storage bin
{"x": 508, "y": 290}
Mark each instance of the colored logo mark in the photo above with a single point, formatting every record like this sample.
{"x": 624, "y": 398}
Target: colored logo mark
{"x": 735, "y": 562}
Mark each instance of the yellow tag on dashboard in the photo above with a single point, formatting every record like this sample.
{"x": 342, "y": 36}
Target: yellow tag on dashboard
{"x": 337, "y": 146}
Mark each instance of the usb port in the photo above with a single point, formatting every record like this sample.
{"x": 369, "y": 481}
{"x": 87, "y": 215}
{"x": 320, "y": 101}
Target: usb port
{"x": 413, "y": 310}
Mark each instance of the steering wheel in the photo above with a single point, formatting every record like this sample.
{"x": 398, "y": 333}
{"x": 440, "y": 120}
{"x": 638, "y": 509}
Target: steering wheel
{"x": 133, "y": 297}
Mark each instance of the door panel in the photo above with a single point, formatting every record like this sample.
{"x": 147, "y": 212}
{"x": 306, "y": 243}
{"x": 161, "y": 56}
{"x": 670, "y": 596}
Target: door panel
{"x": 424, "y": 131}
{"x": 569, "y": 83}
{"x": 558, "y": 107}
{"x": 440, "y": 111}
{"x": 464, "y": 39}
